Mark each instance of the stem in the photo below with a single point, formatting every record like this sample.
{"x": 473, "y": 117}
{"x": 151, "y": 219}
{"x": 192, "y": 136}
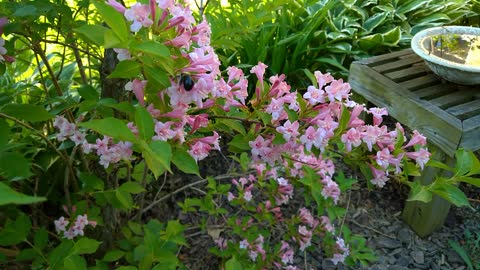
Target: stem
{"x": 36, "y": 132}
{"x": 242, "y": 119}
{"x": 37, "y": 250}
{"x": 171, "y": 194}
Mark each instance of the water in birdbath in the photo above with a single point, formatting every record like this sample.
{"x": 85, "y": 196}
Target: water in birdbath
{"x": 457, "y": 48}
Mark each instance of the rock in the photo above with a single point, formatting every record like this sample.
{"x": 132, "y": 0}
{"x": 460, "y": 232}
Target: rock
{"x": 397, "y": 267}
{"x": 385, "y": 242}
{"x": 404, "y": 235}
{"x": 403, "y": 261}
{"x": 379, "y": 267}
{"x": 452, "y": 257}
{"x": 418, "y": 256}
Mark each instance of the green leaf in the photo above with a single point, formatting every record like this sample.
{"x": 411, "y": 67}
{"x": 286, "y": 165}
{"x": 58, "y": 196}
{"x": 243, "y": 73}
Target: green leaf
{"x": 124, "y": 198}
{"x": 132, "y": 187}
{"x": 144, "y": 123}
{"x": 75, "y": 262}
{"x": 58, "y": 255}
{"x": 126, "y": 268}
{"x": 126, "y": 69}
{"x": 4, "y": 133}
{"x": 184, "y": 161}
{"x": 157, "y": 77}
{"x": 14, "y": 232}
{"x": 419, "y": 192}
{"x": 26, "y": 11}
{"x": 10, "y": 196}
{"x": 233, "y": 264}
{"x": 111, "y": 127}
{"x": 450, "y": 193}
{"x": 393, "y": 36}
{"x": 463, "y": 162}
{"x": 113, "y": 255}
{"x": 88, "y": 92}
{"x": 92, "y": 33}
{"x": 438, "y": 164}
{"x": 90, "y": 182}
{"x": 85, "y": 246}
{"x": 331, "y": 61}
{"x": 111, "y": 40}
{"x": 14, "y": 166}
{"x": 470, "y": 180}
{"x": 114, "y": 19}
{"x": 174, "y": 233}
{"x": 40, "y": 239}
{"x": 370, "y": 42}
{"x": 374, "y": 21}
{"x": 151, "y": 47}
{"x": 462, "y": 253}
{"x": 411, "y": 5}
{"x": 158, "y": 155}
{"x": 27, "y": 112}
{"x": 234, "y": 125}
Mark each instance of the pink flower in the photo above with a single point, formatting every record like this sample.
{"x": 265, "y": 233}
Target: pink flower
{"x": 306, "y": 217}
{"x": 259, "y": 71}
{"x": 314, "y": 95}
{"x": 379, "y": 177}
{"x": 286, "y": 253}
{"x": 377, "y": 115}
{"x": 275, "y": 108}
{"x": 164, "y": 4}
{"x": 138, "y": 88}
{"x": 337, "y": 90}
{"x": 289, "y": 130}
{"x": 322, "y": 79}
{"x": 199, "y": 150}
{"x": 370, "y": 136}
{"x": 330, "y": 189}
{"x": 327, "y": 224}
{"x": 244, "y": 244}
{"x": 247, "y": 195}
{"x": 260, "y": 147}
{"x": 61, "y": 224}
{"x": 138, "y": 14}
{"x": 305, "y": 237}
{"x": 422, "y": 156}
{"x": 310, "y": 137}
{"x": 116, "y": 5}
{"x": 342, "y": 252}
{"x": 383, "y": 158}
{"x": 417, "y": 139}
{"x": 221, "y": 243}
{"x": 122, "y": 54}
{"x": 163, "y": 131}
{"x": 351, "y": 137}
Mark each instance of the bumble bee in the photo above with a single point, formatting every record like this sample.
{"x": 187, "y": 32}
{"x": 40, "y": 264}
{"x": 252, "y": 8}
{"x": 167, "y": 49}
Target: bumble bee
{"x": 187, "y": 82}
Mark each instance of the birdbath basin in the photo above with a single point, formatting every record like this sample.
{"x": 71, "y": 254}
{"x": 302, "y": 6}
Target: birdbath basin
{"x": 451, "y": 52}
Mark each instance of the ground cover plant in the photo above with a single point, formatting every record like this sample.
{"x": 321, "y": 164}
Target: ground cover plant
{"x": 85, "y": 154}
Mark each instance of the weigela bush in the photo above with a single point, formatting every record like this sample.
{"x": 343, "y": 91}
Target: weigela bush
{"x": 287, "y": 141}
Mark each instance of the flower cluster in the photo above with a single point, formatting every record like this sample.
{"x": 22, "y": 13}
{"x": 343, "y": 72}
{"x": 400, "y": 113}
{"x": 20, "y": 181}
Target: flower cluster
{"x": 76, "y": 229}
{"x": 3, "y": 50}
{"x": 291, "y": 136}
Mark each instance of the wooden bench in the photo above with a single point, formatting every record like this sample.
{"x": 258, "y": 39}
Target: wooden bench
{"x": 447, "y": 114}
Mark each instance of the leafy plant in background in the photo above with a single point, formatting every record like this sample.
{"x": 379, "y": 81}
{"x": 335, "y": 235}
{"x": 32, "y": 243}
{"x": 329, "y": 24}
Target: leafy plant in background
{"x": 468, "y": 249}
{"x": 321, "y": 35}
{"x": 96, "y": 163}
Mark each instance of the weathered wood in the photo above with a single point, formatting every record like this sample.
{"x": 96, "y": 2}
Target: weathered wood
{"x": 406, "y": 107}
{"x": 425, "y": 218}
{"x": 435, "y": 90}
{"x": 447, "y": 114}
{"x": 471, "y": 136}
{"x": 420, "y": 82}
{"x": 453, "y": 99}
{"x": 384, "y": 58}
{"x": 466, "y": 110}
{"x": 392, "y": 66}
{"x": 407, "y": 73}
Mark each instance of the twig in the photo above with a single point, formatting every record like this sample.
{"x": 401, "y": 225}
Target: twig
{"x": 372, "y": 229}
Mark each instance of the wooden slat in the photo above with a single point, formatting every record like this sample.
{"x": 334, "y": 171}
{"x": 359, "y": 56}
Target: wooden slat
{"x": 471, "y": 136}
{"x": 404, "y": 106}
{"x": 384, "y": 58}
{"x": 436, "y": 90}
{"x": 453, "y": 99}
{"x": 466, "y": 110}
{"x": 401, "y": 63}
{"x": 420, "y": 82}
{"x": 407, "y": 74}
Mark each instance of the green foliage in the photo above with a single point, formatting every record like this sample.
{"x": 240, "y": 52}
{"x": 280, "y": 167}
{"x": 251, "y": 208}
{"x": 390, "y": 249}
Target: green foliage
{"x": 324, "y": 35}
{"x": 469, "y": 249}
{"x": 467, "y": 170}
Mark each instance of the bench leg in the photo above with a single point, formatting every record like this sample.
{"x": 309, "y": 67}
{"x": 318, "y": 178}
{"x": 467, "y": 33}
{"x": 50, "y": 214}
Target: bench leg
{"x": 424, "y": 218}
